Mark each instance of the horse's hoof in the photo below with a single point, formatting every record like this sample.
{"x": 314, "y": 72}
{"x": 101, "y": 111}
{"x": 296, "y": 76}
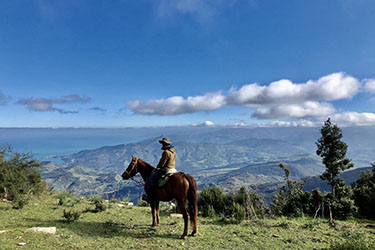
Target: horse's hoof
{"x": 183, "y": 236}
{"x": 193, "y": 234}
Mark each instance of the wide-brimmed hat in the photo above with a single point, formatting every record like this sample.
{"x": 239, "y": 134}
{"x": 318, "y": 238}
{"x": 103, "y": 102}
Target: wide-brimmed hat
{"x": 165, "y": 140}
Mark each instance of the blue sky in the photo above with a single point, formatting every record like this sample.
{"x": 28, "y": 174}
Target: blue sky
{"x": 180, "y": 62}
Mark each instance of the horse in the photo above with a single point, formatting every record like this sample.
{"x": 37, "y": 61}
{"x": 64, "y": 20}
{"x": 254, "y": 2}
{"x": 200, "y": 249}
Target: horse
{"x": 180, "y": 186}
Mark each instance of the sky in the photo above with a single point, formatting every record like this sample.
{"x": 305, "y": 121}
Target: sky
{"x": 140, "y": 63}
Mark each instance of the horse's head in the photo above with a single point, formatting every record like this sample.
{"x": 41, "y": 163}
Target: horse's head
{"x": 131, "y": 169}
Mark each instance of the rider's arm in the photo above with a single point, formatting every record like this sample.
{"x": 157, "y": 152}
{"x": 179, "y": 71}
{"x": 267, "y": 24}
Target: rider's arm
{"x": 163, "y": 160}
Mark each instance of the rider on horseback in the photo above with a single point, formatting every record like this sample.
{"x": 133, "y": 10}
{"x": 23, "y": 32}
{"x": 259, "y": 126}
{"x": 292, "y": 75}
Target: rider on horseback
{"x": 166, "y": 165}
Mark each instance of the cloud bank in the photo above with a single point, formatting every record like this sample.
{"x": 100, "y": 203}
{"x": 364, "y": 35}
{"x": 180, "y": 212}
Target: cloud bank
{"x": 48, "y": 104}
{"x": 282, "y": 99}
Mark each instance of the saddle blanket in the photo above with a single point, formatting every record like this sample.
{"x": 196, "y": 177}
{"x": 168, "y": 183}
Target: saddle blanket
{"x": 165, "y": 177}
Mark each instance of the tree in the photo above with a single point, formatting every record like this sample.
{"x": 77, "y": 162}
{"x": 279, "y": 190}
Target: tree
{"x": 19, "y": 177}
{"x": 333, "y": 152}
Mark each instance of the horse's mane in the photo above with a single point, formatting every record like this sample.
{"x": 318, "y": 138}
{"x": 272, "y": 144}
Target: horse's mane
{"x": 145, "y": 164}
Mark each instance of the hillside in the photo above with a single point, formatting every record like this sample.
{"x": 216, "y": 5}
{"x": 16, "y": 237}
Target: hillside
{"x": 229, "y": 157}
{"x": 128, "y": 227}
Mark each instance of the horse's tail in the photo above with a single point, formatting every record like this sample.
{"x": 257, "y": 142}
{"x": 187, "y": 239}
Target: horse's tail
{"x": 192, "y": 197}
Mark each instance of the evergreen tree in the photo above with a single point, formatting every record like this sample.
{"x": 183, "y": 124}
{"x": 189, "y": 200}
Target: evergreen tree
{"x": 19, "y": 177}
{"x": 333, "y": 152}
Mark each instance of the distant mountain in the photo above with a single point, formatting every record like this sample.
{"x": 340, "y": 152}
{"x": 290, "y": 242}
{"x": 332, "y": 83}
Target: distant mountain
{"x": 230, "y": 157}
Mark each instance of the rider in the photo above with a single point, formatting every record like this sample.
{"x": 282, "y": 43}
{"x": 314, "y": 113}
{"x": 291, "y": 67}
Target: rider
{"x": 166, "y": 164}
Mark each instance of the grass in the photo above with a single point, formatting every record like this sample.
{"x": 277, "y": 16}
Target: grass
{"x": 129, "y": 228}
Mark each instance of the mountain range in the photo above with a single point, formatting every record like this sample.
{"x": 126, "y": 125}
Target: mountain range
{"x": 228, "y": 157}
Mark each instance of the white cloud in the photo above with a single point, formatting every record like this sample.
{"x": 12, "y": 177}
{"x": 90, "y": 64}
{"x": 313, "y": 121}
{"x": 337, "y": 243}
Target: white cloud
{"x": 299, "y": 123}
{"x": 331, "y": 87}
{"x": 178, "y": 105}
{"x": 369, "y": 85}
{"x": 304, "y": 110}
{"x": 279, "y": 99}
{"x": 354, "y": 118}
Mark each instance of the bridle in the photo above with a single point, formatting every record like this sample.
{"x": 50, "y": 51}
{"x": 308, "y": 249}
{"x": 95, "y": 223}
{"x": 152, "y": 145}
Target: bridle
{"x": 134, "y": 165}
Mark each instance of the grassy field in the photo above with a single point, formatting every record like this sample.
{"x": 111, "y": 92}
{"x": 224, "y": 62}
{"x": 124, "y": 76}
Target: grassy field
{"x": 129, "y": 228}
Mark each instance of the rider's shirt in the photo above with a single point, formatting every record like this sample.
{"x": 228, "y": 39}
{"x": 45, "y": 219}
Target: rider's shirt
{"x": 168, "y": 160}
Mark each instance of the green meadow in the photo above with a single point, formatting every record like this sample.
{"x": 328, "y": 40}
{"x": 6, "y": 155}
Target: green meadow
{"x": 129, "y": 227}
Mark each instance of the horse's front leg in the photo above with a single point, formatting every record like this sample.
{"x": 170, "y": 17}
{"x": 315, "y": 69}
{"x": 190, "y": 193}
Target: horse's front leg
{"x": 157, "y": 213}
{"x": 153, "y": 212}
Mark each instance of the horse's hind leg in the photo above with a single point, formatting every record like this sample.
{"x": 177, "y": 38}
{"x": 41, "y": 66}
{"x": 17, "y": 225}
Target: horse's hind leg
{"x": 181, "y": 206}
{"x": 157, "y": 213}
{"x": 153, "y": 212}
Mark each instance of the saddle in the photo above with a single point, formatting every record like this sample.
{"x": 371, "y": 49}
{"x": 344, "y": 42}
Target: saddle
{"x": 165, "y": 177}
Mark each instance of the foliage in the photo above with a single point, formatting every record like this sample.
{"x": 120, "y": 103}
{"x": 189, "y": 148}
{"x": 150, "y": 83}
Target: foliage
{"x": 143, "y": 203}
{"x": 19, "y": 177}
{"x": 71, "y": 215}
{"x": 212, "y": 201}
{"x": 291, "y": 200}
{"x": 99, "y": 203}
{"x": 355, "y": 241}
{"x": 67, "y": 199}
{"x": 333, "y": 152}
{"x": 364, "y": 190}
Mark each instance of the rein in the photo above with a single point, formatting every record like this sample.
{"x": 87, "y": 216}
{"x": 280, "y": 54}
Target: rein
{"x": 132, "y": 178}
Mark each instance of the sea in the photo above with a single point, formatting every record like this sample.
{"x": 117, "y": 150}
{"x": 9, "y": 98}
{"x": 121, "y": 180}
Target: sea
{"x": 49, "y": 143}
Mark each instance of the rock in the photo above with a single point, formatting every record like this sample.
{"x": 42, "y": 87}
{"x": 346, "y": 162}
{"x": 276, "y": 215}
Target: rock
{"x": 275, "y": 235}
{"x": 130, "y": 204}
{"x": 21, "y": 243}
{"x": 176, "y": 215}
{"x": 370, "y": 226}
{"x": 121, "y": 205}
{"x": 49, "y": 230}
{"x": 3, "y": 231}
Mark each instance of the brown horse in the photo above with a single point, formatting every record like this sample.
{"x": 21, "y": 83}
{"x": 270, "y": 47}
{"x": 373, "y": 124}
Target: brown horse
{"x": 180, "y": 186}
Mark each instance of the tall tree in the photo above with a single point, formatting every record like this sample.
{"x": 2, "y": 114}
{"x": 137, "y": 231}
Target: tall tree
{"x": 333, "y": 152}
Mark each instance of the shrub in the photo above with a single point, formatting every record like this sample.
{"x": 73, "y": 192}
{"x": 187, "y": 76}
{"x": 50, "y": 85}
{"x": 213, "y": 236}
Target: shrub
{"x": 98, "y": 201}
{"x": 143, "y": 203}
{"x": 291, "y": 200}
{"x": 212, "y": 201}
{"x": 356, "y": 241}
{"x": 239, "y": 213}
{"x": 71, "y": 215}
{"x": 19, "y": 177}
{"x": 363, "y": 192}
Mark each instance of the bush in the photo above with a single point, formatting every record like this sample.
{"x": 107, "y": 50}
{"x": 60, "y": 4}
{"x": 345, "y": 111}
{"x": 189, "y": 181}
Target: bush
{"x": 239, "y": 213}
{"x": 99, "y": 203}
{"x": 356, "y": 241}
{"x": 291, "y": 200}
{"x": 19, "y": 177}
{"x": 363, "y": 192}
{"x": 212, "y": 201}
{"x": 143, "y": 203}
{"x": 67, "y": 199}
{"x": 71, "y": 215}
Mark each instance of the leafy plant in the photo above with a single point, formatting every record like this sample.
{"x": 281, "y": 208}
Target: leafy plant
{"x": 71, "y": 215}
{"x": 19, "y": 177}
